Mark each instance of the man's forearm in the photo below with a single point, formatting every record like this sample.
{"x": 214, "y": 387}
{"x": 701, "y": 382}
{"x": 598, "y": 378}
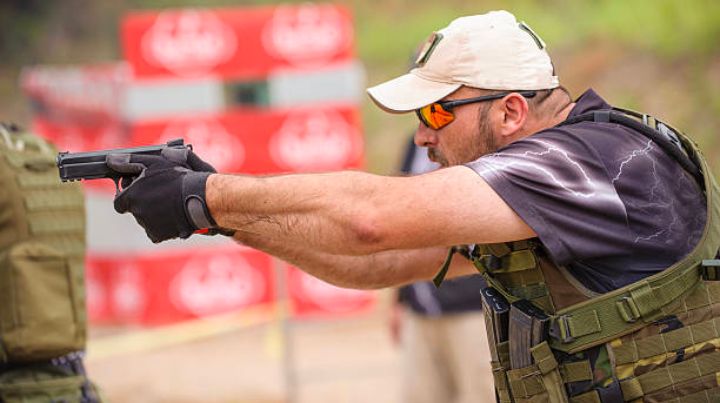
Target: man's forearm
{"x": 296, "y": 209}
{"x": 290, "y": 218}
{"x": 377, "y": 270}
{"x": 356, "y": 213}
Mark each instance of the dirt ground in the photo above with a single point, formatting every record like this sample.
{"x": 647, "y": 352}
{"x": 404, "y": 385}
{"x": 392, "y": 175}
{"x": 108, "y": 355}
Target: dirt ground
{"x": 245, "y": 359}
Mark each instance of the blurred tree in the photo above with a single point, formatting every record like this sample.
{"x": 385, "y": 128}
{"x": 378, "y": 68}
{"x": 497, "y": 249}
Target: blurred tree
{"x": 21, "y": 27}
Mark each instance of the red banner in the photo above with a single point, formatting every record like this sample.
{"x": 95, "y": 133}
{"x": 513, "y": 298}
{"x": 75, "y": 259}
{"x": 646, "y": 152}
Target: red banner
{"x": 236, "y": 43}
{"x": 254, "y": 141}
{"x": 172, "y": 285}
{"x": 175, "y": 54}
{"x": 98, "y": 288}
{"x": 244, "y": 140}
{"x": 267, "y": 141}
{"x": 82, "y": 136}
{"x": 312, "y": 297}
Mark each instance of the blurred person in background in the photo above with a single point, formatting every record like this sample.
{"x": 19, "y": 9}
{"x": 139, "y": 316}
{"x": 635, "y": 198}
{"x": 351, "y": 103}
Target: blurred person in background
{"x": 596, "y": 228}
{"x": 43, "y": 323}
{"x": 440, "y": 331}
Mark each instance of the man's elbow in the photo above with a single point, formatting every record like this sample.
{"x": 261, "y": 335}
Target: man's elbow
{"x": 368, "y": 234}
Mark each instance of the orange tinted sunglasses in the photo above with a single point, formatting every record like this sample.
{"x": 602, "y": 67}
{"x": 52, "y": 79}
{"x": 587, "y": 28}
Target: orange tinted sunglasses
{"x": 439, "y": 114}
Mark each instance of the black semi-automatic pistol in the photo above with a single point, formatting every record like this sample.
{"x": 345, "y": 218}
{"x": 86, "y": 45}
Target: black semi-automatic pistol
{"x": 91, "y": 164}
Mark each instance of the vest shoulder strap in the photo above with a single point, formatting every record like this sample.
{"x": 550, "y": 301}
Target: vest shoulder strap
{"x": 670, "y": 140}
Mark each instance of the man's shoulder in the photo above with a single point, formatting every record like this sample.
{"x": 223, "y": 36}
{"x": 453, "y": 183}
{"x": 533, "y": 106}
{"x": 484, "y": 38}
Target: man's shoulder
{"x": 600, "y": 140}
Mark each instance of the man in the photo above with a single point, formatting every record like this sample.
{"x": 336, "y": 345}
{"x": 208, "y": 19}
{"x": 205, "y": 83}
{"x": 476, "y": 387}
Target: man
{"x": 560, "y": 202}
{"x": 43, "y": 322}
{"x": 440, "y": 331}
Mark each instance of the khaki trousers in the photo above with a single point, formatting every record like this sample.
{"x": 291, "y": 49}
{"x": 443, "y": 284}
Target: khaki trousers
{"x": 446, "y": 359}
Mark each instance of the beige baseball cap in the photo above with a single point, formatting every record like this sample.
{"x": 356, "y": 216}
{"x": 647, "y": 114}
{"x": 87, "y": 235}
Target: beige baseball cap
{"x": 490, "y": 51}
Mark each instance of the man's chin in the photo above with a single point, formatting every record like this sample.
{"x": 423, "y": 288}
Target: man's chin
{"x": 434, "y": 157}
{"x": 442, "y": 162}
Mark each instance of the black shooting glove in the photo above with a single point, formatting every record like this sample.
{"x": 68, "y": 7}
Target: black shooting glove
{"x": 165, "y": 193}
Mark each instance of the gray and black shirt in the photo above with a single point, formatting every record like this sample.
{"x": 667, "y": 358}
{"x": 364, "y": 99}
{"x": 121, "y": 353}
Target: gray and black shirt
{"x": 605, "y": 201}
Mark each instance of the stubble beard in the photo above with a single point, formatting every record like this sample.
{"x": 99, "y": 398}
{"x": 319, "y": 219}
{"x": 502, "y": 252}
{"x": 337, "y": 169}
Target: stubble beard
{"x": 481, "y": 144}
{"x": 486, "y": 137}
{"x": 436, "y": 156}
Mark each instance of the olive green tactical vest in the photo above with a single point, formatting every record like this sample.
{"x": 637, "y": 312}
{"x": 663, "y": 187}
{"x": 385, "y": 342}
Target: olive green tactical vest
{"x": 42, "y": 246}
{"x": 656, "y": 340}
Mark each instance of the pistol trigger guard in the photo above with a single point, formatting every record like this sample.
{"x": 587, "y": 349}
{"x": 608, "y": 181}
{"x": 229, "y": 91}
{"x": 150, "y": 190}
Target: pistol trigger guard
{"x": 117, "y": 186}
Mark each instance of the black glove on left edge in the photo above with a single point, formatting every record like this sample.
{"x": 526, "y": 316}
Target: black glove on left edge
{"x": 167, "y": 197}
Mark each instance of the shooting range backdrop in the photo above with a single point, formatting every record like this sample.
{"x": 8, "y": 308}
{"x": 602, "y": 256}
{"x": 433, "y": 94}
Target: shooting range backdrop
{"x": 261, "y": 90}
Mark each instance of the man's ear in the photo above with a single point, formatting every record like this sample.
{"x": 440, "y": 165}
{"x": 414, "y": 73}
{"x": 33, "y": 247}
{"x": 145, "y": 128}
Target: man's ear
{"x": 514, "y": 112}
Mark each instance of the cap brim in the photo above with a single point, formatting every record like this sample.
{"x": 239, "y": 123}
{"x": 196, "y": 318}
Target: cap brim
{"x": 409, "y": 92}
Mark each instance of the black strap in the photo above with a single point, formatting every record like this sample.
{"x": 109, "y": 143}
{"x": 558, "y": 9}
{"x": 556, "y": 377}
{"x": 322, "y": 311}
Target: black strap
{"x": 70, "y": 364}
{"x": 463, "y": 250}
{"x": 73, "y": 363}
{"x": 622, "y": 117}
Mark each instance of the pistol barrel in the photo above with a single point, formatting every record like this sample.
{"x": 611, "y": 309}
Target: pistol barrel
{"x": 91, "y": 164}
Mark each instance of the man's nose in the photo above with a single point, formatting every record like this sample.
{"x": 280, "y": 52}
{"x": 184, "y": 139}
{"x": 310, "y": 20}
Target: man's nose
{"x": 425, "y": 136}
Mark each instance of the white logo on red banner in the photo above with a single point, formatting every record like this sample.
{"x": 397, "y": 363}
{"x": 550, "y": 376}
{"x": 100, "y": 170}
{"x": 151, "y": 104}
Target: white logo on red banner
{"x": 217, "y": 284}
{"x": 313, "y": 142}
{"x": 128, "y": 298}
{"x": 210, "y": 140}
{"x": 330, "y": 298}
{"x": 188, "y": 42}
{"x": 308, "y": 35}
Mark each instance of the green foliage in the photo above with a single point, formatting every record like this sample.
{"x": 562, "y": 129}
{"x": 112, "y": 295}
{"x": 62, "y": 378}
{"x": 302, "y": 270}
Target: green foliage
{"x": 668, "y": 27}
{"x": 662, "y": 56}
{"x": 679, "y": 40}
{"x": 20, "y": 27}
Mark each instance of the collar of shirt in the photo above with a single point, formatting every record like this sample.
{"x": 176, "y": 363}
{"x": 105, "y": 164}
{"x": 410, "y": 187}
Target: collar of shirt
{"x": 588, "y": 101}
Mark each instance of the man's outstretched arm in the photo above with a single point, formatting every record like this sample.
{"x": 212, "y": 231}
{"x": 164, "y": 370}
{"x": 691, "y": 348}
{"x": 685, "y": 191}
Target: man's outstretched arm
{"x": 349, "y": 228}
{"x": 356, "y": 213}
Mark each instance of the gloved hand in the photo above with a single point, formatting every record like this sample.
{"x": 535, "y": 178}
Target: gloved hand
{"x": 166, "y": 193}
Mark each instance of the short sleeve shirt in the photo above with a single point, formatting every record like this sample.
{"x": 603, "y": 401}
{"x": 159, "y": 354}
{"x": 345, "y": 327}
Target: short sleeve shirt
{"x": 605, "y": 201}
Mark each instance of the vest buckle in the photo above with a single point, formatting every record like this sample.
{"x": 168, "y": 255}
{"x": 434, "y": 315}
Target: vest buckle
{"x": 560, "y": 329}
{"x": 628, "y": 309}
